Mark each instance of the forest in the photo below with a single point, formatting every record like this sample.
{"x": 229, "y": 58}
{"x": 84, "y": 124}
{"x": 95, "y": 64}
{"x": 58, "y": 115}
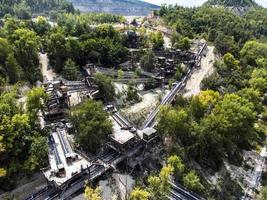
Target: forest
{"x": 228, "y": 31}
{"x": 228, "y": 116}
{"x": 243, "y": 3}
{"x": 24, "y": 9}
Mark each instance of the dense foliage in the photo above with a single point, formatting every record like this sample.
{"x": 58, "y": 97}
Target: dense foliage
{"x": 209, "y": 128}
{"x": 74, "y": 20}
{"x": 23, "y": 9}
{"x": 92, "y": 194}
{"x": 227, "y": 30}
{"x": 228, "y": 116}
{"x": 19, "y": 48}
{"x": 159, "y": 187}
{"x": 23, "y": 144}
{"x": 106, "y": 86}
{"x": 91, "y": 124}
{"x": 102, "y": 45}
{"x": 232, "y": 2}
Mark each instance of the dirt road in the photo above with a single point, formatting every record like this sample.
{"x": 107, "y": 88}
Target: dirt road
{"x": 48, "y": 74}
{"x": 206, "y": 68}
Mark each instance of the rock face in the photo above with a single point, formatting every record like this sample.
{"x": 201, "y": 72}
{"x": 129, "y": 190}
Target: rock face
{"x": 121, "y": 7}
{"x": 238, "y": 10}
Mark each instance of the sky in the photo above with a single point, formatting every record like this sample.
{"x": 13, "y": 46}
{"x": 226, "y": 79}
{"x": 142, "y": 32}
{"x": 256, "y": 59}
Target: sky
{"x": 191, "y": 3}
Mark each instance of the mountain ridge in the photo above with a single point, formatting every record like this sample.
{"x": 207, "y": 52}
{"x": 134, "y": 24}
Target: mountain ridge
{"x": 239, "y": 7}
{"x": 121, "y": 7}
{"x": 232, "y": 3}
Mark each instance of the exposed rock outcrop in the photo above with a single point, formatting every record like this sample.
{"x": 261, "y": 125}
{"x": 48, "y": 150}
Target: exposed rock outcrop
{"x": 121, "y": 7}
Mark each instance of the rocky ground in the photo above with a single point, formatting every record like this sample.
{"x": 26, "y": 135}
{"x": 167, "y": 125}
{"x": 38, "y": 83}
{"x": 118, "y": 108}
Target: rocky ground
{"x": 137, "y": 113}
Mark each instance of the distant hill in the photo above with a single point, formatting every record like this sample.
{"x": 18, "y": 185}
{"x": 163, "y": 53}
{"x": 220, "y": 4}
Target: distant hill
{"x": 232, "y": 3}
{"x": 121, "y": 7}
{"x": 239, "y": 7}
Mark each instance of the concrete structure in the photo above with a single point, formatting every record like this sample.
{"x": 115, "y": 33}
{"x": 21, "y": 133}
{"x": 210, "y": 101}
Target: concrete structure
{"x": 121, "y": 138}
{"x": 64, "y": 162}
{"x": 149, "y": 134}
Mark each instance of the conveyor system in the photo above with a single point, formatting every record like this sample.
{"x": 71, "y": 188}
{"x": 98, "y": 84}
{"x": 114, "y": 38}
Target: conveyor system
{"x": 59, "y": 162}
{"x": 121, "y": 120}
{"x": 68, "y": 152}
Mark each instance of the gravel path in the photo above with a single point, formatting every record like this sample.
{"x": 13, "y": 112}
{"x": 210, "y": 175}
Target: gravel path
{"x": 206, "y": 68}
{"x": 47, "y": 73}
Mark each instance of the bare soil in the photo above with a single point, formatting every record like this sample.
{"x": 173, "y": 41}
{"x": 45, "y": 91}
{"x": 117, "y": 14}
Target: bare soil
{"x": 47, "y": 73}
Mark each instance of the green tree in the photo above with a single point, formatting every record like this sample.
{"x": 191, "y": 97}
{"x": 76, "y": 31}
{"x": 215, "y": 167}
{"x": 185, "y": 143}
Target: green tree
{"x": 157, "y": 40}
{"x": 13, "y": 69}
{"x": 70, "y": 70}
{"x": 179, "y": 72}
{"x": 212, "y": 82}
{"x": 3, "y": 171}
{"x": 159, "y": 186}
{"x": 56, "y": 49}
{"x": 147, "y": 61}
{"x": 120, "y": 74}
{"x": 230, "y": 61}
{"x": 22, "y": 10}
{"x": 92, "y": 194}
{"x": 92, "y": 125}
{"x": 9, "y": 68}
{"x": 154, "y": 188}
{"x": 16, "y": 131}
{"x": 139, "y": 194}
{"x": 5, "y": 50}
{"x": 41, "y": 26}
{"x": 26, "y": 45}
{"x": 253, "y": 51}
{"x": 131, "y": 93}
{"x": 22, "y": 143}
{"x": 105, "y": 86}
{"x": 226, "y": 44}
{"x": 203, "y": 103}
{"x": 258, "y": 80}
{"x": 184, "y": 44}
{"x": 252, "y": 96}
{"x": 74, "y": 51}
{"x": 192, "y": 182}
{"x": 178, "y": 166}
{"x": 173, "y": 122}
{"x": 37, "y": 154}
{"x": 263, "y": 193}
{"x": 229, "y": 126}
{"x": 35, "y": 101}
{"x": 175, "y": 39}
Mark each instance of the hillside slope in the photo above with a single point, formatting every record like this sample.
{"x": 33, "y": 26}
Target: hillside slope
{"x": 232, "y": 3}
{"x": 239, "y": 7}
{"x": 122, "y": 7}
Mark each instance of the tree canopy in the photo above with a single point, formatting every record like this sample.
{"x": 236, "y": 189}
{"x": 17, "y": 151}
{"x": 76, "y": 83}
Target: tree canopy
{"x": 23, "y": 144}
{"x": 92, "y": 194}
{"x": 92, "y": 125}
{"x": 23, "y": 9}
{"x": 105, "y": 86}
